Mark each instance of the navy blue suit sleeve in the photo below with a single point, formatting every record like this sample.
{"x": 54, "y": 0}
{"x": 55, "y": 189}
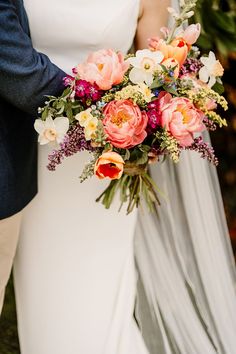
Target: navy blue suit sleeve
{"x": 26, "y": 75}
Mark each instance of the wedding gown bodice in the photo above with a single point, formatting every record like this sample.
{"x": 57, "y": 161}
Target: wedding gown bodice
{"x": 68, "y": 30}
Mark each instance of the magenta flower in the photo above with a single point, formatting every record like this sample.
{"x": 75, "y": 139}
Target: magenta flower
{"x": 68, "y": 80}
{"x": 80, "y": 88}
{"x": 85, "y": 90}
{"x": 153, "y": 120}
{"x": 155, "y": 104}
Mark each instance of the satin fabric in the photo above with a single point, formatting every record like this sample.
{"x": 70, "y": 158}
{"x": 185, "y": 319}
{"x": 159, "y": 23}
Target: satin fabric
{"x": 186, "y": 290}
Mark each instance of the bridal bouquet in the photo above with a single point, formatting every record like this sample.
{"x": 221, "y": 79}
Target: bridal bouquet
{"x": 130, "y": 111}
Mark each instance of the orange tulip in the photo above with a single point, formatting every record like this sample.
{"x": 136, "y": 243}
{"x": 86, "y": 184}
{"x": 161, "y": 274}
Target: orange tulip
{"x": 178, "y": 49}
{"x": 110, "y": 165}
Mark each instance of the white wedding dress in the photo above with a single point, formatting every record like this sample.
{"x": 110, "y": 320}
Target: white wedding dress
{"x": 75, "y": 277}
{"x": 74, "y": 273}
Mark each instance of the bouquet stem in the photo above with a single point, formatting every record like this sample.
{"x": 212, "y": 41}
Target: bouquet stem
{"x": 135, "y": 185}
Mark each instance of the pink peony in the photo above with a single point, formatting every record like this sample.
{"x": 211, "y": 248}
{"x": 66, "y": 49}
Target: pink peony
{"x": 104, "y": 67}
{"x": 180, "y": 118}
{"x": 124, "y": 123}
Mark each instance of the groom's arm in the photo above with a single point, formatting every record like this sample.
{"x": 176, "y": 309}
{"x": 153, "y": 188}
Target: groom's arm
{"x": 25, "y": 75}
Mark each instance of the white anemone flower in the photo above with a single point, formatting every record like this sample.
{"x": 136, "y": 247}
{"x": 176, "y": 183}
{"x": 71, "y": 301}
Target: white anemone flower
{"x": 212, "y": 68}
{"x": 144, "y": 64}
{"x": 51, "y": 129}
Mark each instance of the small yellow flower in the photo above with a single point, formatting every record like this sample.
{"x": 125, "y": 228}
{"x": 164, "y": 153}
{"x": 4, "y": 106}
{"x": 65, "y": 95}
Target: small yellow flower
{"x": 145, "y": 91}
{"x": 90, "y": 128}
{"x": 84, "y": 117}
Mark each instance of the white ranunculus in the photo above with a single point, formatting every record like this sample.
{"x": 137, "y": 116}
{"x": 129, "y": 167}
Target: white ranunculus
{"x": 211, "y": 70}
{"x": 51, "y": 129}
{"x": 144, "y": 65}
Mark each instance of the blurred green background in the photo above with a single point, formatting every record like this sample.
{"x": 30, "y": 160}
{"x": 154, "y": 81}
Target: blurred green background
{"x": 218, "y": 20}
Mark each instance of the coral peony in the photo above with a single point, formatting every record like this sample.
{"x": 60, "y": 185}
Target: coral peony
{"x": 110, "y": 165}
{"x": 180, "y": 118}
{"x": 104, "y": 68}
{"x": 124, "y": 123}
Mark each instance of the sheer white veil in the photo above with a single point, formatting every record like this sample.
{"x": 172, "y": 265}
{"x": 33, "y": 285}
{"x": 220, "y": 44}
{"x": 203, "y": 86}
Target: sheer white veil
{"x": 186, "y": 301}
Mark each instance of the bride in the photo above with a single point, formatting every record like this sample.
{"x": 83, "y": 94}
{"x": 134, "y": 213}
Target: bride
{"x": 95, "y": 281}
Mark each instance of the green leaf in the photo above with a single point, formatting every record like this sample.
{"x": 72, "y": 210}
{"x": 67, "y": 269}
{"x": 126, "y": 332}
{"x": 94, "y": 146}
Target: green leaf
{"x": 68, "y": 110}
{"x": 219, "y": 88}
{"x": 170, "y": 89}
{"x": 143, "y": 159}
{"x": 144, "y": 148}
{"x": 138, "y": 156}
{"x": 66, "y": 92}
{"x": 156, "y": 84}
{"x": 60, "y": 106}
{"x": 127, "y": 155}
{"x": 45, "y": 113}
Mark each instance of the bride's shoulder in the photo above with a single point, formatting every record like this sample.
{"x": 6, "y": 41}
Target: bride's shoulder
{"x": 153, "y": 6}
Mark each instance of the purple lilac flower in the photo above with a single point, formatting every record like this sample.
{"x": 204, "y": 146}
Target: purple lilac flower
{"x": 209, "y": 124}
{"x": 191, "y": 65}
{"x": 74, "y": 142}
{"x": 205, "y": 149}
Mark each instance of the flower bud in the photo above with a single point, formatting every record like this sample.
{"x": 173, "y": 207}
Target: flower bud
{"x": 192, "y": 33}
